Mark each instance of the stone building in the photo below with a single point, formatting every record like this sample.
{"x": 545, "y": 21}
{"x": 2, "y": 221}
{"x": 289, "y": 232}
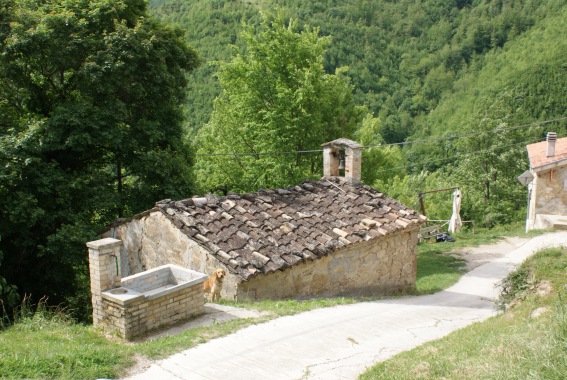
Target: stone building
{"x": 547, "y": 192}
{"x": 330, "y": 237}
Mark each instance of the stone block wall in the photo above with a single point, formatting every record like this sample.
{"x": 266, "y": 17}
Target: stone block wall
{"x": 152, "y": 240}
{"x": 551, "y": 192}
{"x": 377, "y": 267}
{"x": 144, "y": 283}
{"x": 330, "y": 162}
{"x": 548, "y": 197}
{"x": 135, "y": 318}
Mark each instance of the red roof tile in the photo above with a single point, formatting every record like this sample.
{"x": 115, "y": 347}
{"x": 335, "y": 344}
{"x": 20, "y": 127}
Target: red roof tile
{"x": 537, "y": 153}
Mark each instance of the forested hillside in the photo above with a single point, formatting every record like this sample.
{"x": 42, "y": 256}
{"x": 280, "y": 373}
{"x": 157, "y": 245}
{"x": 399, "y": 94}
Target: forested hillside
{"x": 425, "y": 69}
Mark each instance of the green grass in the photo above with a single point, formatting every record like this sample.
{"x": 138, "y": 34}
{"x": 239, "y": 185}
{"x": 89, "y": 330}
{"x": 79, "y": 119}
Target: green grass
{"x": 47, "y": 344}
{"x": 280, "y": 308}
{"x": 438, "y": 270}
{"x": 513, "y": 345}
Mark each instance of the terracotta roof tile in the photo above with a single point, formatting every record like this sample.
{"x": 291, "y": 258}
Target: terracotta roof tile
{"x": 274, "y": 229}
{"x": 537, "y": 153}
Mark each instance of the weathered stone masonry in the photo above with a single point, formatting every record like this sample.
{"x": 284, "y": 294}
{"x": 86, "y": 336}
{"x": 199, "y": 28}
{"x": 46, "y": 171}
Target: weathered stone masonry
{"x": 385, "y": 267}
{"x": 133, "y": 305}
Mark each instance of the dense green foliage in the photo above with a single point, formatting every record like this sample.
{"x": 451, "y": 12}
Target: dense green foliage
{"x": 276, "y": 97}
{"x": 90, "y": 131}
{"x": 425, "y": 69}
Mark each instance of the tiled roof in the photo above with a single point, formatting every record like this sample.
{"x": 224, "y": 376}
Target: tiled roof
{"x": 537, "y": 153}
{"x": 275, "y": 229}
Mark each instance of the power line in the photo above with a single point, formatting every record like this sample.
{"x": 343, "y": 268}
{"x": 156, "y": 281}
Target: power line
{"x": 452, "y": 137}
{"x": 257, "y": 153}
{"x": 460, "y": 155}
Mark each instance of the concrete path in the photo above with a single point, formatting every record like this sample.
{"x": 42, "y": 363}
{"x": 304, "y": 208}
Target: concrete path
{"x": 343, "y": 341}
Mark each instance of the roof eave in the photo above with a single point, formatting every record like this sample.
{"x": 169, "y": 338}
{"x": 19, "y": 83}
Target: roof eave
{"x": 122, "y": 221}
{"x": 551, "y": 165}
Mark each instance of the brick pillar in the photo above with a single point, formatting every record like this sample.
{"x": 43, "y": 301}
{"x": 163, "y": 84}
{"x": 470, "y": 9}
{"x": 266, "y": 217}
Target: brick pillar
{"x": 353, "y": 165}
{"x": 330, "y": 162}
{"x": 104, "y": 266}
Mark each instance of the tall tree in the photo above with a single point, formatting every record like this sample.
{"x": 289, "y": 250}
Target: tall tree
{"x": 91, "y": 129}
{"x": 490, "y": 160}
{"x": 276, "y": 97}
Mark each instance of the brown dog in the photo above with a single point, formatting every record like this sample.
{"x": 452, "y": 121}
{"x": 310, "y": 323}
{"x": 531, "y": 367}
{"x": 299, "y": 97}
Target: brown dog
{"x": 213, "y": 284}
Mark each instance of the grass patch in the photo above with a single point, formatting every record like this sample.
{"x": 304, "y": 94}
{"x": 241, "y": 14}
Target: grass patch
{"x": 476, "y": 237}
{"x": 47, "y": 344}
{"x": 513, "y": 345}
{"x": 280, "y": 308}
{"x": 438, "y": 270}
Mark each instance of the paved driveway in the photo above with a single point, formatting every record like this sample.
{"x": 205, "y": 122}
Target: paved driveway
{"x": 343, "y": 341}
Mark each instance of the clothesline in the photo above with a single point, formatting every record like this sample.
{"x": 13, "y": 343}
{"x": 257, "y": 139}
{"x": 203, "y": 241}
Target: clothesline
{"x": 446, "y": 221}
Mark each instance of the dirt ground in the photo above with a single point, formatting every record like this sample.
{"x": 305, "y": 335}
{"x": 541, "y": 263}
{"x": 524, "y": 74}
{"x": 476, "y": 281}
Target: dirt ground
{"x": 476, "y": 256}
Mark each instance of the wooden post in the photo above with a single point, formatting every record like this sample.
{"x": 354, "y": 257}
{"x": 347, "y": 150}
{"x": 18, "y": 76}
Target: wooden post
{"x": 422, "y": 204}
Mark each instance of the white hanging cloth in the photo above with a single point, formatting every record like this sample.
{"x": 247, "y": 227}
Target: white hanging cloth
{"x": 455, "y": 223}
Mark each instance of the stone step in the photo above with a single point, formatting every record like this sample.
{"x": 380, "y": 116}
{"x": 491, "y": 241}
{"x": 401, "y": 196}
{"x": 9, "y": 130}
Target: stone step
{"x": 560, "y": 226}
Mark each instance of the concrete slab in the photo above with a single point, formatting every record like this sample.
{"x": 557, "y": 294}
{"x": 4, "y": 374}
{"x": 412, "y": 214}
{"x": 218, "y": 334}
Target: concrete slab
{"x": 214, "y": 313}
{"x": 343, "y": 341}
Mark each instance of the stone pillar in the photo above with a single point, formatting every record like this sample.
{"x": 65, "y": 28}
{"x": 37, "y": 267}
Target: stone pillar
{"x": 353, "y": 165}
{"x": 330, "y": 162}
{"x": 104, "y": 266}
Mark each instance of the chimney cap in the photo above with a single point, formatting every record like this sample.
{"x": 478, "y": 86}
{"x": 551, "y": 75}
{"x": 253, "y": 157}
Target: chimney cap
{"x": 342, "y": 143}
{"x": 551, "y": 136}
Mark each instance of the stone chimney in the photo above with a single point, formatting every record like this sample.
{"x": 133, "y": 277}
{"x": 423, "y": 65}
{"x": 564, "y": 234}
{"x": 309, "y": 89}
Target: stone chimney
{"x": 551, "y": 138}
{"x": 332, "y": 153}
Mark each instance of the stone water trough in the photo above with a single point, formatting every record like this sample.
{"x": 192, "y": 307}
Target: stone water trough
{"x": 133, "y": 305}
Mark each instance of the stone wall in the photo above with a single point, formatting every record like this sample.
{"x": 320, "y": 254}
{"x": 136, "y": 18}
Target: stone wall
{"x": 548, "y": 197}
{"x": 131, "y": 319}
{"x": 151, "y": 240}
{"x": 551, "y": 192}
{"x": 380, "y": 266}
